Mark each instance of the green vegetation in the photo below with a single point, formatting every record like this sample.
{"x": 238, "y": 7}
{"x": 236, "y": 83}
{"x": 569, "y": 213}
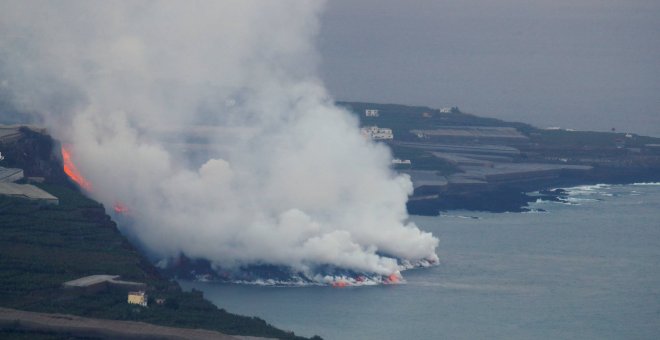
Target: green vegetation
{"x": 31, "y": 335}
{"x": 573, "y": 147}
{"x": 564, "y": 138}
{"x": 42, "y": 246}
{"x": 401, "y": 119}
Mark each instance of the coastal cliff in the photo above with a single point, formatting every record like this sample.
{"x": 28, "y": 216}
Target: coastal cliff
{"x": 42, "y": 246}
{"x": 462, "y": 161}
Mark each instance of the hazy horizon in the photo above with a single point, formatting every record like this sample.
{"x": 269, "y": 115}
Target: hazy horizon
{"x": 591, "y": 65}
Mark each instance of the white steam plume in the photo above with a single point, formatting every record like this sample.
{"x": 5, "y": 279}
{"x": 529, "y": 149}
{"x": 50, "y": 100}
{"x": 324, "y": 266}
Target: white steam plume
{"x": 286, "y": 178}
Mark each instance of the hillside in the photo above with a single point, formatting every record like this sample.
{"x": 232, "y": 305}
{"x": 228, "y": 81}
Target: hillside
{"x": 462, "y": 161}
{"x": 42, "y": 246}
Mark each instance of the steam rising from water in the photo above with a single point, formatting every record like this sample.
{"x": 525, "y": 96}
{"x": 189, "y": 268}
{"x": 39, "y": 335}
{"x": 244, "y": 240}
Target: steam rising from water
{"x": 208, "y": 121}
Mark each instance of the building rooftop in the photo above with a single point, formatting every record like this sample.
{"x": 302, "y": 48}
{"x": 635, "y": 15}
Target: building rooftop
{"x": 473, "y": 132}
{"x": 425, "y": 177}
{"x": 483, "y": 149}
{"x": 92, "y": 280}
{"x": 27, "y": 191}
{"x": 10, "y": 174}
{"x": 521, "y": 168}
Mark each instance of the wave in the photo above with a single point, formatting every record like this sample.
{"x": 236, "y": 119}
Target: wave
{"x": 536, "y": 211}
{"x": 333, "y": 281}
{"x": 461, "y": 216}
{"x": 578, "y": 199}
{"x": 595, "y": 189}
{"x": 281, "y": 276}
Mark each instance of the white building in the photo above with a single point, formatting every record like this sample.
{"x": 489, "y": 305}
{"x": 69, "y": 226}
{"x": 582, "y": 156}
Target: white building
{"x": 401, "y": 161}
{"x": 376, "y": 133}
{"x": 138, "y": 298}
{"x": 371, "y": 113}
{"x": 445, "y": 110}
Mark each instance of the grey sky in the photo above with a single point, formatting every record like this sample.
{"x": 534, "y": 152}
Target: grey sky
{"x": 585, "y": 64}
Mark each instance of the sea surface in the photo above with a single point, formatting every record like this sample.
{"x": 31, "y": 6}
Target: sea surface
{"x": 588, "y": 268}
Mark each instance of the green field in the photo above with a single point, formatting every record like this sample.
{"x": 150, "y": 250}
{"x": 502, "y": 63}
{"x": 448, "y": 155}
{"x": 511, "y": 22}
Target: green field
{"x": 42, "y": 246}
{"x": 541, "y": 144}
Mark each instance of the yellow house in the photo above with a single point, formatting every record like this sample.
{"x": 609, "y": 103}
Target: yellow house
{"x": 138, "y": 298}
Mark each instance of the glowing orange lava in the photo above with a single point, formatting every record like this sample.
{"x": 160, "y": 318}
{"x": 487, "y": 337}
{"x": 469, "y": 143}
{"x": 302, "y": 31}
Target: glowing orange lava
{"x": 71, "y": 170}
{"x": 393, "y": 278}
{"x": 339, "y": 284}
{"x": 119, "y": 208}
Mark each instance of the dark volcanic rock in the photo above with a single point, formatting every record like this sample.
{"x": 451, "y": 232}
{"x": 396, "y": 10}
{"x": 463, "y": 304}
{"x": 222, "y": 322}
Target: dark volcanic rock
{"x": 37, "y": 153}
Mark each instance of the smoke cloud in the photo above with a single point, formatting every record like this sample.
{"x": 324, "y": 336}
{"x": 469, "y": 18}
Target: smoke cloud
{"x": 208, "y": 121}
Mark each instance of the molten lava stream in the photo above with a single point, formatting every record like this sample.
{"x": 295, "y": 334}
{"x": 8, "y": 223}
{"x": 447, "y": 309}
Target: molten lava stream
{"x": 394, "y": 278}
{"x": 120, "y": 208}
{"x": 71, "y": 170}
{"x": 339, "y": 284}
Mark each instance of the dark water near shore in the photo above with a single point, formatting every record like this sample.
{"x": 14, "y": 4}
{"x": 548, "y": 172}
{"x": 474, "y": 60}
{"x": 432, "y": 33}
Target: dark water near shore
{"x": 585, "y": 270}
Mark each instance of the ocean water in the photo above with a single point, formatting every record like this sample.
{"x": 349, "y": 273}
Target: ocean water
{"x": 588, "y": 268}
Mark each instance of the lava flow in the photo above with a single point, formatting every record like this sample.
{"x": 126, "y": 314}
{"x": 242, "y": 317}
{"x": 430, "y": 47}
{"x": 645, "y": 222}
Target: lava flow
{"x": 339, "y": 284}
{"x": 71, "y": 170}
{"x": 394, "y": 278}
{"x": 120, "y": 208}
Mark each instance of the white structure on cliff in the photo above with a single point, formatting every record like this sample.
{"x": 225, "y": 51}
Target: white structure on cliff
{"x": 138, "y": 298}
{"x": 376, "y": 133}
{"x": 371, "y": 113}
{"x": 399, "y": 161}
